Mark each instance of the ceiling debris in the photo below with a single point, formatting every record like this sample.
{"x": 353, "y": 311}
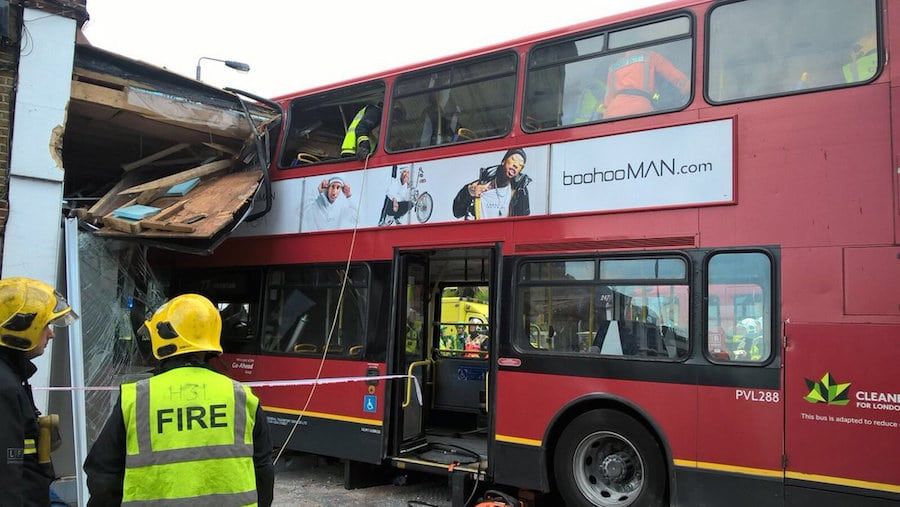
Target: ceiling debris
{"x": 155, "y": 157}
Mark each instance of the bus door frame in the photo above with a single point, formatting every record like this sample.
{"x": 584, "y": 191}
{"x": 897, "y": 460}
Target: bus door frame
{"x": 495, "y": 312}
{"x": 404, "y": 437}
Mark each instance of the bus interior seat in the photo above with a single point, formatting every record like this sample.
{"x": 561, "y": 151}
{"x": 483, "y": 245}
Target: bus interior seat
{"x": 403, "y": 134}
{"x": 720, "y": 355}
{"x": 651, "y": 341}
{"x": 427, "y": 135}
{"x": 608, "y": 338}
{"x": 630, "y": 334}
{"x": 668, "y": 341}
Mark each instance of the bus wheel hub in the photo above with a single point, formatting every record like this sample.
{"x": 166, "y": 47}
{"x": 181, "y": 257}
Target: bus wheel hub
{"x": 616, "y": 467}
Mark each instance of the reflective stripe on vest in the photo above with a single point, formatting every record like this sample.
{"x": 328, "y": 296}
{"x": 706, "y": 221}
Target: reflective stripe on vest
{"x": 218, "y": 500}
{"x": 348, "y": 147}
{"x": 189, "y": 440}
{"x": 30, "y": 447}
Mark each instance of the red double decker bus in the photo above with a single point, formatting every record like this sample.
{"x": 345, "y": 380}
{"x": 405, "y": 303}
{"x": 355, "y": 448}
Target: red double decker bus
{"x": 679, "y": 228}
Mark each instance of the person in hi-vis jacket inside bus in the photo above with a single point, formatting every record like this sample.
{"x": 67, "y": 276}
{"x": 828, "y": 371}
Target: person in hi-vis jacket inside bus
{"x": 863, "y": 59}
{"x": 631, "y": 82}
{"x": 500, "y": 191}
{"x": 360, "y": 139}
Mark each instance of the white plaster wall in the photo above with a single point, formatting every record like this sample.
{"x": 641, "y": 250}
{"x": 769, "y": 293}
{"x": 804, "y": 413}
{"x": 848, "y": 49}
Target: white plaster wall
{"x": 32, "y": 241}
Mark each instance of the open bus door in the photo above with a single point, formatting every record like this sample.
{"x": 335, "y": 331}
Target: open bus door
{"x": 449, "y": 355}
{"x": 411, "y": 348}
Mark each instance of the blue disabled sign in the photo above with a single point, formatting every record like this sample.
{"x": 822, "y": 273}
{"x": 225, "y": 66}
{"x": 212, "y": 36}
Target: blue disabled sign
{"x": 370, "y": 403}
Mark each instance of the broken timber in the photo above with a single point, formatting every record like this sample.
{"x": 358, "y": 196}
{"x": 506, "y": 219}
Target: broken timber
{"x": 152, "y": 105}
{"x": 168, "y": 181}
{"x": 156, "y": 156}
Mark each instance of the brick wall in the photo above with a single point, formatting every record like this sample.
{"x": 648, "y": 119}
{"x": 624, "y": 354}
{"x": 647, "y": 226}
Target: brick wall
{"x": 9, "y": 62}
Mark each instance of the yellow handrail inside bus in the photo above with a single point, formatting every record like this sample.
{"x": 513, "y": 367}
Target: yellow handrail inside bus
{"x": 464, "y": 133}
{"x": 409, "y": 384}
{"x": 307, "y": 158}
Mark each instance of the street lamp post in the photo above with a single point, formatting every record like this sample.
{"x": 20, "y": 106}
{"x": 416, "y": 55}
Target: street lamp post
{"x": 239, "y": 66}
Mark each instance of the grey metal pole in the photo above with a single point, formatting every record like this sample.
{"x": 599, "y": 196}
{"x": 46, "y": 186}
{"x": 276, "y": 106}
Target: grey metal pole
{"x": 76, "y": 358}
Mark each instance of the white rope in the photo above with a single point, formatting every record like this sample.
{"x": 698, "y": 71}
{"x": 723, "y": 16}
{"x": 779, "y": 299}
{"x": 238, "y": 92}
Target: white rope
{"x": 270, "y": 383}
{"x": 336, "y": 314}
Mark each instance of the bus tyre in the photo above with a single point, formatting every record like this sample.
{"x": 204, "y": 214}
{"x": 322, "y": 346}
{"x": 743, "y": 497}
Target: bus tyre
{"x": 606, "y": 458}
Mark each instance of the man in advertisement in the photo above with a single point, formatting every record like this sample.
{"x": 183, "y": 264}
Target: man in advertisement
{"x": 332, "y": 207}
{"x": 500, "y": 191}
{"x": 396, "y": 198}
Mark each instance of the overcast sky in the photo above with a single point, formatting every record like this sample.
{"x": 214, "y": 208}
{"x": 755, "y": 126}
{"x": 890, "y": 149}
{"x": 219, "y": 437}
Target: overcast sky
{"x": 292, "y": 45}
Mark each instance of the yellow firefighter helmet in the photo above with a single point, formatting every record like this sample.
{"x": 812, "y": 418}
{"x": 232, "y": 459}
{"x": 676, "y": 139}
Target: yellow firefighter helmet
{"x": 184, "y": 324}
{"x": 27, "y": 307}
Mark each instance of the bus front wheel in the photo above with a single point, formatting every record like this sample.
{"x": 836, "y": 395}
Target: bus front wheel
{"x": 606, "y": 458}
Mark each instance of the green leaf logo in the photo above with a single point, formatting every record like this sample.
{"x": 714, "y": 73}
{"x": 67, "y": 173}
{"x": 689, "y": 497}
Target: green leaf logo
{"x": 828, "y": 390}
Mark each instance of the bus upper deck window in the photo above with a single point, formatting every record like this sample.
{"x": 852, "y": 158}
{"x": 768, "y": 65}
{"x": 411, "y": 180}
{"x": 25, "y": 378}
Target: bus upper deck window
{"x": 604, "y": 76}
{"x": 763, "y": 48}
{"x": 318, "y": 123}
{"x": 455, "y": 103}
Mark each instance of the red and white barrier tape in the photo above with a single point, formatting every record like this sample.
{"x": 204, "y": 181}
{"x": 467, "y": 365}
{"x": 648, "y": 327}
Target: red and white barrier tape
{"x": 268, "y": 383}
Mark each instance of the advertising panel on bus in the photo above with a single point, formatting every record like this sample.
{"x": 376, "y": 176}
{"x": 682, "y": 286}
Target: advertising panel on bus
{"x": 685, "y": 165}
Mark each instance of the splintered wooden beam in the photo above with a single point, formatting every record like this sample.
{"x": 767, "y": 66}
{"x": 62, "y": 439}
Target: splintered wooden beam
{"x": 154, "y": 157}
{"x": 122, "y": 225}
{"x": 159, "y": 107}
{"x": 166, "y": 226}
{"x": 221, "y": 148}
{"x": 168, "y": 181}
{"x": 148, "y": 196}
{"x": 161, "y": 222}
{"x": 170, "y": 211}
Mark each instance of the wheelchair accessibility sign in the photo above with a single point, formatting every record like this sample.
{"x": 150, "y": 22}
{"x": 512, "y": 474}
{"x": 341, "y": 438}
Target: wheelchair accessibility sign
{"x": 370, "y": 403}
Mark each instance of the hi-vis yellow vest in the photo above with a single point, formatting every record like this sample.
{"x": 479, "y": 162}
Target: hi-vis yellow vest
{"x": 862, "y": 69}
{"x": 348, "y": 147}
{"x": 189, "y": 440}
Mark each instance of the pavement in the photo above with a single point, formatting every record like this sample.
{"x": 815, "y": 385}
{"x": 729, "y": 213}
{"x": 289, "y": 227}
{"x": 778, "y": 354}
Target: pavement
{"x": 310, "y": 481}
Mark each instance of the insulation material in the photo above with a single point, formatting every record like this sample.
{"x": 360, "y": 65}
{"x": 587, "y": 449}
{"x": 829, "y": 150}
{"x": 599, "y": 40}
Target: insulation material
{"x": 118, "y": 287}
{"x": 178, "y": 109}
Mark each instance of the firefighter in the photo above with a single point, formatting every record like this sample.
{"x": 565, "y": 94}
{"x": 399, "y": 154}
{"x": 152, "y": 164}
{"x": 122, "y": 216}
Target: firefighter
{"x": 187, "y": 435}
{"x": 359, "y": 140}
{"x": 475, "y": 340}
{"x": 631, "y": 82}
{"x": 745, "y": 343}
{"x": 29, "y": 309}
{"x": 863, "y": 59}
{"x": 590, "y": 101}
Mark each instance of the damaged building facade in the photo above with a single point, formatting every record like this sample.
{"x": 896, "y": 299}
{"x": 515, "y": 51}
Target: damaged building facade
{"x": 89, "y": 133}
